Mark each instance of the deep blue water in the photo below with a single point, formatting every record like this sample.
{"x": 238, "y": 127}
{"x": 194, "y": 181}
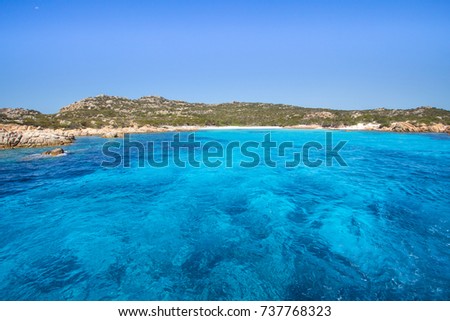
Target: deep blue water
{"x": 377, "y": 229}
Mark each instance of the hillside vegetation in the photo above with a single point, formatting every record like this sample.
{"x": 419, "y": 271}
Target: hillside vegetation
{"x": 116, "y": 112}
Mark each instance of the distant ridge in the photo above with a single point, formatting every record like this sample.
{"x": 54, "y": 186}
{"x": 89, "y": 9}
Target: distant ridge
{"x": 119, "y": 112}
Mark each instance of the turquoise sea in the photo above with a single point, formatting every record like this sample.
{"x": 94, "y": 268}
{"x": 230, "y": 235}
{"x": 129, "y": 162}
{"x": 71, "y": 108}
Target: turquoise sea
{"x": 377, "y": 229}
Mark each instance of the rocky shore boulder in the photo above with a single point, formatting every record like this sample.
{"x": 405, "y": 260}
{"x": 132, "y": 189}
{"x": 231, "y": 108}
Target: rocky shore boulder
{"x": 11, "y": 138}
{"x": 112, "y": 135}
{"x": 404, "y": 127}
{"x": 438, "y": 128}
{"x": 407, "y": 127}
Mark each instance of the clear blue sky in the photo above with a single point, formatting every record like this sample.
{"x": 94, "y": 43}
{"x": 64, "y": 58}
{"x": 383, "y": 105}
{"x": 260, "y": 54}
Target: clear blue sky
{"x": 337, "y": 54}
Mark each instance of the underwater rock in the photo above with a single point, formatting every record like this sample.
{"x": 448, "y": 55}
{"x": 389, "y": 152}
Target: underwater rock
{"x": 54, "y": 152}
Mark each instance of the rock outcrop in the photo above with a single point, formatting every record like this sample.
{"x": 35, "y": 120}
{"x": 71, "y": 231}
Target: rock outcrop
{"x": 16, "y": 113}
{"x": 24, "y": 136}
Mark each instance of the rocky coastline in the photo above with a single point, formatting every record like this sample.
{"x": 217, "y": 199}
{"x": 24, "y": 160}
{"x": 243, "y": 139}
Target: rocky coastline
{"x": 19, "y": 136}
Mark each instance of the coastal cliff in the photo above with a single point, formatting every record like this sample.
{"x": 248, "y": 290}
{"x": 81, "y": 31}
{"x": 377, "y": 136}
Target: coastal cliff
{"x": 112, "y": 116}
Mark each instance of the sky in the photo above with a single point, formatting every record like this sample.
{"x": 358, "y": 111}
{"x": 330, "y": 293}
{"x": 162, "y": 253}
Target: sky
{"x": 313, "y": 53}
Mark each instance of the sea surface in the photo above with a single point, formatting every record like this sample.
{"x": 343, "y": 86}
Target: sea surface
{"x": 376, "y": 229}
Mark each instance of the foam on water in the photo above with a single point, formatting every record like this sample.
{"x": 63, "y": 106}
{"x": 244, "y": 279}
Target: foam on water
{"x": 375, "y": 230}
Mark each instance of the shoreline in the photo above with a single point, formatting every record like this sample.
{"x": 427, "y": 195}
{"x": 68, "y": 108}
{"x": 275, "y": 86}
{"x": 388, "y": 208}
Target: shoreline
{"x": 19, "y": 136}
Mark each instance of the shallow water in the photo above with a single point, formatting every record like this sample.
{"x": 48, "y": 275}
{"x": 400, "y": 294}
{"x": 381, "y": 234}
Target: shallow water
{"x": 377, "y": 229}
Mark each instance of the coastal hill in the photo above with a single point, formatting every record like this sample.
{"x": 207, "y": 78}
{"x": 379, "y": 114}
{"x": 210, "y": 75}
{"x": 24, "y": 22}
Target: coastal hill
{"x": 101, "y": 111}
{"x": 112, "y": 115}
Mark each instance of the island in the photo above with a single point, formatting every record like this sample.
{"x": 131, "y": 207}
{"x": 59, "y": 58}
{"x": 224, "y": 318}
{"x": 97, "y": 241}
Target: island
{"x": 113, "y": 116}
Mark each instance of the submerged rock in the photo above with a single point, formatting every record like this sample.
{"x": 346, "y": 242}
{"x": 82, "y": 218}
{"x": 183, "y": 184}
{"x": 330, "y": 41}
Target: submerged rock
{"x": 54, "y": 152}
